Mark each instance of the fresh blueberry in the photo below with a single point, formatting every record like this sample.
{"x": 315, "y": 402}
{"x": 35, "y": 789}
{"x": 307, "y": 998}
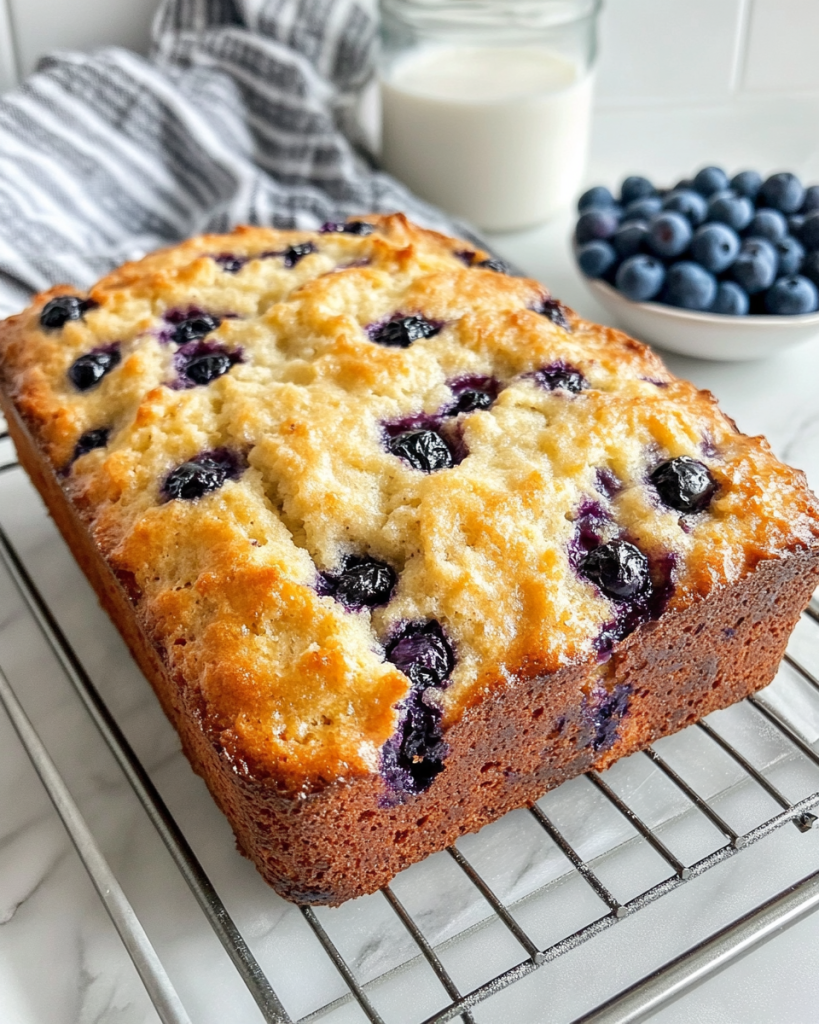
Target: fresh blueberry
{"x": 684, "y": 484}
{"x": 595, "y": 198}
{"x": 790, "y": 296}
{"x": 636, "y": 187}
{"x": 197, "y": 477}
{"x": 88, "y": 370}
{"x": 553, "y": 310}
{"x": 198, "y": 363}
{"x": 769, "y": 224}
{"x": 811, "y": 200}
{"x": 618, "y": 568}
{"x": 361, "y": 582}
{"x": 710, "y": 180}
{"x": 229, "y": 263}
{"x": 57, "y": 312}
{"x": 402, "y": 331}
{"x": 350, "y": 227}
{"x": 795, "y": 223}
{"x": 643, "y": 209}
{"x": 731, "y": 300}
{"x": 595, "y": 224}
{"x": 809, "y": 235}
{"x": 595, "y": 258}
{"x": 747, "y": 183}
{"x": 630, "y": 238}
{"x": 90, "y": 440}
{"x": 194, "y": 328}
{"x": 293, "y": 253}
{"x": 560, "y": 375}
{"x": 784, "y": 192}
{"x": 791, "y": 254}
{"x": 422, "y": 449}
{"x": 735, "y": 211}
{"x": 810, "y": 267}
{"x": 689, "y": 286}
{"x": 640, "y": 277}
{"x": 755, "y": 267}
{"x": 715, "y": 247}
{"x": 689, "y": 203}
{"x": 422, "y": 653}
{"x": 669, "y": 234}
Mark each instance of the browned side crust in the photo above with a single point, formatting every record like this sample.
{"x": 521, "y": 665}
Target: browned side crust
{"x": 505, "y": 752}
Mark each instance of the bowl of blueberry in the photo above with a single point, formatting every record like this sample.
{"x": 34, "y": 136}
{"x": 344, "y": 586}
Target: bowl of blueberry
{"x": 715, "y": 267}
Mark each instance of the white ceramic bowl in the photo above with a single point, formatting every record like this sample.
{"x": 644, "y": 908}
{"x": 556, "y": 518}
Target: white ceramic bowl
{"x": 706, "y": 335}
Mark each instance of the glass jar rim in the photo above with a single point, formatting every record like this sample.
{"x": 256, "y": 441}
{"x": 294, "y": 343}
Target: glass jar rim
{"x": 503, "y": 13}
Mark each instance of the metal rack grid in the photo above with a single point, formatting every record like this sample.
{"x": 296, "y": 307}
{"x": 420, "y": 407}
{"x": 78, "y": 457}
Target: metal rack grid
{"x": 633, "y": 1004}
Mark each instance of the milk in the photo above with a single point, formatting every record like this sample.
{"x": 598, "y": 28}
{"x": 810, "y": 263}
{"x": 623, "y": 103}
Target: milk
{"x": 495, "y": 135}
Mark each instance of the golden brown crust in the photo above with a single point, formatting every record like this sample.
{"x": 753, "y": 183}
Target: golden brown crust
{"x": 281, "y": 696}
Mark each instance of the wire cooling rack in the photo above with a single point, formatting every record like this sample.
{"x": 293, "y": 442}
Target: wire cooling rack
{"x": 597, "y": 850}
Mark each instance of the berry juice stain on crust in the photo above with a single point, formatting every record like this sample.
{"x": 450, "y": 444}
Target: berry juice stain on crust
{"x": 89, "y": 369}
{"x": 412, "y": 758}
{"x": 554, "y": 311}
{"x": 362, "y": 228}
{"x": 200, "y": 362}
{"x": 559, "y": 375}
{"x": 56, "y": 313}
{"x": 684, "y": 484}
{"x": 198, "y": 476}
{"x": 401, "y": 331}
{"x": 361, "y": 582}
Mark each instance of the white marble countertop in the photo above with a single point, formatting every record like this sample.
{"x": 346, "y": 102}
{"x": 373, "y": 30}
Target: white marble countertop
{"x": 61, "y": 962}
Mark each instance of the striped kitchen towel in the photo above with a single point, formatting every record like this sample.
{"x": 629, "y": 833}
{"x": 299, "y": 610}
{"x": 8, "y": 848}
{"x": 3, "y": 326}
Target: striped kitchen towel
{"x": 242, "y": 113}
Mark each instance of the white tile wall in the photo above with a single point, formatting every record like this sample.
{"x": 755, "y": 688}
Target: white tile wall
{"x": 8, "y": 59}
{"x": 783, "y": 47}
{"x": 43, "y": 25}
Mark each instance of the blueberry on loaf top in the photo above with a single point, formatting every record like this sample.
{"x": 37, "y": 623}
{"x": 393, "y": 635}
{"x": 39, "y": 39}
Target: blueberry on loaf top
{"x": 357, "y": 478}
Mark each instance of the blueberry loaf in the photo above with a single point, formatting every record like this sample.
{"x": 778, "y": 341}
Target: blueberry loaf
{"x": 400, "y": 541}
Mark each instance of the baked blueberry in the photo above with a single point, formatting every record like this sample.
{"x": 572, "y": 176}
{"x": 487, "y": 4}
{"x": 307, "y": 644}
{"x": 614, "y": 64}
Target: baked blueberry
{"x": 197, "y": 477}
{"x": 88, "y": 370}
{"x": 560, "y": 375}
{"x": 618, "y": 568}
{"x": 471, "y": 393}
{"x": 194, "y": 327}
{"x": 684, "y": 484}
{"x": 362, "y": 582}
{"x": 90, "y": 440}
{"x": 470, "y": 401}
{"x": 198, "y": 363}
{"x": 57, "y": 312}
{"x": 610, "y": 711}
{"x": 229, "y": 263}
{"x": 422, "y": 653}
{"x": 424, "y": 450}
{"x": 554, "y": 311}
{"x": 350, "y": 227}
{"x": 293, "y": 253}
{"x": 402, "y": 331}
{"x": 493, "y": 264}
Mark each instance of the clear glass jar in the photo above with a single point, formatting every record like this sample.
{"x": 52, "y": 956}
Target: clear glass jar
{"x": 486, "y": 104}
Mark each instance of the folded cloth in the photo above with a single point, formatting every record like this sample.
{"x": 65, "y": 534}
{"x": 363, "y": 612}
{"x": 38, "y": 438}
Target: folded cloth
{"x": 238, "y": 115}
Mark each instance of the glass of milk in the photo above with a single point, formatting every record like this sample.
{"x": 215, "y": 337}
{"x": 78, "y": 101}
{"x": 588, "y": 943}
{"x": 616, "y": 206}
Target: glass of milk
{"x": 486, "y": 104}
